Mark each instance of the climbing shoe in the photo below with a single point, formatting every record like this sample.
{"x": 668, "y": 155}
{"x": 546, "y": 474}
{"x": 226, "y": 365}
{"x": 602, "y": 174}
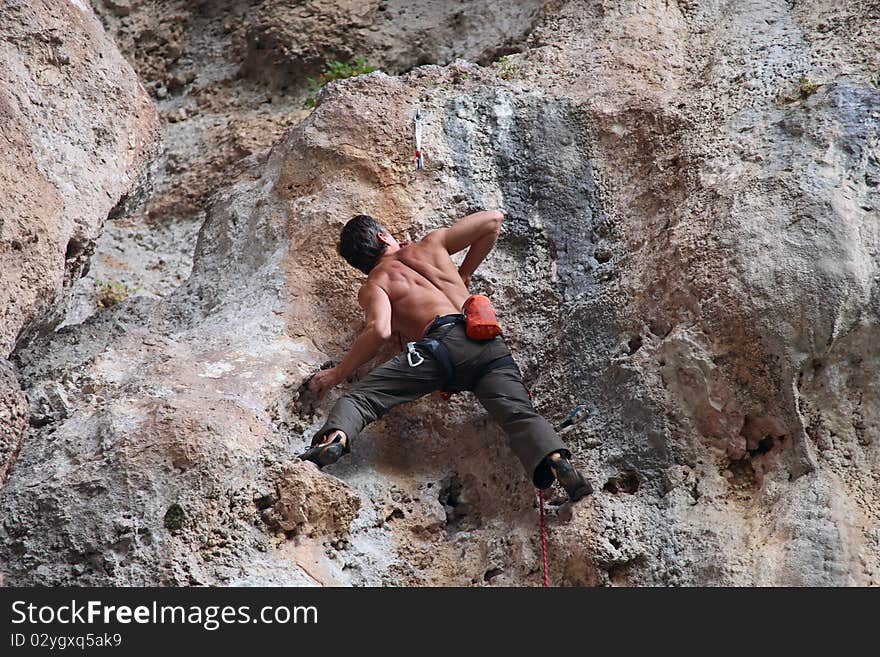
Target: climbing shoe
{"x": 326, "y": 453}
{"x": 569, "y": 478}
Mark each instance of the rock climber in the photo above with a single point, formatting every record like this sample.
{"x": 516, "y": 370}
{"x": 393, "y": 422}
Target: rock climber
{"x": 416, "y": 290}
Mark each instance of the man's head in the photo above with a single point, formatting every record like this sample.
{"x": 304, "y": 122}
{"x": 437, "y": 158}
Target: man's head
{"x": 363, "y": 241}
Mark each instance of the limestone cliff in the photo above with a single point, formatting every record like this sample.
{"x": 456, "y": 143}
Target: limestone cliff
{"x": 77, "y": 129}
{"x": 690, "y": 250}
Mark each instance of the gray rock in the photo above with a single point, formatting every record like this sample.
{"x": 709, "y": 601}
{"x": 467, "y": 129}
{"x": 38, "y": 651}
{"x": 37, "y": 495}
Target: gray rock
{"x": 723, "y": 335}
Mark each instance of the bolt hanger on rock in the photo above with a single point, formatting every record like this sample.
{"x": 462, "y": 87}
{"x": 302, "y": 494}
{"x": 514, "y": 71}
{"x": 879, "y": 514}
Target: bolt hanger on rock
{"x": 418, "y": 158}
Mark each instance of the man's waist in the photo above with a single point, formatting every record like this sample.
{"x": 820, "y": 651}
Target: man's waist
{"x": 442, "y": 320}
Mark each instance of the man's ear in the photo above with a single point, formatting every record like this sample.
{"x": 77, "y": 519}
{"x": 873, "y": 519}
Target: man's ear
{"x": 382, "y": 237}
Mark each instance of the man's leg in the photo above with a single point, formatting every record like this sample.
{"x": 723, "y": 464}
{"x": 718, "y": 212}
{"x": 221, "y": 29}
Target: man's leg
{"x": 385, "y": 387}
{"x": 532, "y": 438}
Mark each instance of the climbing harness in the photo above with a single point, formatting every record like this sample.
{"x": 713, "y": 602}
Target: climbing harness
{"x": 438, "y": 350}
{"x": 417, "y": 158}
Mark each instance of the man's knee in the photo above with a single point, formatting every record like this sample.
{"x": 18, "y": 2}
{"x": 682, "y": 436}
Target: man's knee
{"x": 510, "y": 410}
{"x": 513, "y": 415}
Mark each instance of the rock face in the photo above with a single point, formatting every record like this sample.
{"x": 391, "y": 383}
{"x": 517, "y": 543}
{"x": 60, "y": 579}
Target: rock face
{"x": 287, "y": 41}
{"x": 690, "y": 250}
{"x": 228, "y": 78}
{"x": 77, "y": 128}
{"x": 13, "y": 418}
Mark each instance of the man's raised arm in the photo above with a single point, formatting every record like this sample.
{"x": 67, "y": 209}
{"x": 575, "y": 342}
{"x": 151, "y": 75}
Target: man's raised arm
{"x": 377, "y": 311}
{"x": 479, "y": 231}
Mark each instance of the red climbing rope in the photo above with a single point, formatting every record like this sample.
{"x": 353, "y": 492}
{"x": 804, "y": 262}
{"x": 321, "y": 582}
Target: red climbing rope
{"x": 543, "y": 538}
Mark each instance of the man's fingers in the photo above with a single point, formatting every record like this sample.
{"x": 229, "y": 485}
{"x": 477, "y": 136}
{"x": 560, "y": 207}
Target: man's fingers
{"x": 325, "y": 386}
{"x": 321, "y": 382}
{"x": 314, "y": 384}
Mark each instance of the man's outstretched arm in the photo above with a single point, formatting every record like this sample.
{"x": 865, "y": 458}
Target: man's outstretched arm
{"x": 479, "y": 231}
{"x": 377, "y": 311}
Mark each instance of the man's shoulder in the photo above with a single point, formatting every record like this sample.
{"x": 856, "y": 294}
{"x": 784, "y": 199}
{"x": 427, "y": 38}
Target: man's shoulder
{"x": 379, "y": 272}
{"x": 377, "y": 279}
{"x": 374, "y": 281}
{"x": 432, "y": 242}
{"x": 434, "y": 238}
{"x": 370, "y": 289}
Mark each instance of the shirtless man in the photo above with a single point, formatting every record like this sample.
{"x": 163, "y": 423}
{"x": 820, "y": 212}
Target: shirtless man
{"x": 417, "y": 291}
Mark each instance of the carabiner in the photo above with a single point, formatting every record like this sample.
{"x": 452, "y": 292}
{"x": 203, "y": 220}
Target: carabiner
{"x": 413, "y": 355}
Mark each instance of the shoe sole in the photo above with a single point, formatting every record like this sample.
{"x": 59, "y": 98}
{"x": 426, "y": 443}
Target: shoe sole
{"x": 322, "y": 455}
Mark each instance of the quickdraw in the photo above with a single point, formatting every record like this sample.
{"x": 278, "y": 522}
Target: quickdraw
{"x": 577, "y": 415}
{"x": 418, "y": 158}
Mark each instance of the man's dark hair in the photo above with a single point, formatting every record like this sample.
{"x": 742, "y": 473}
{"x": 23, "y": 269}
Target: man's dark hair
{"x": 358, "y": 243}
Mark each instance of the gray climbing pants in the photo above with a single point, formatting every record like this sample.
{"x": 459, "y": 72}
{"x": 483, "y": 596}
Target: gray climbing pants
{"x": 500, "y": 391}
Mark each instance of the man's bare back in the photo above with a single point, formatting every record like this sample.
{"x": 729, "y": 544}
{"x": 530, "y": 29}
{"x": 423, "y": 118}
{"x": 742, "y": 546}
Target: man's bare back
{"x": 408, "y": 286}
{"x": 421, "y": 282}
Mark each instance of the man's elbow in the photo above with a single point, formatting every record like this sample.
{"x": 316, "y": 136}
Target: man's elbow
{"x": 495, "y": 218}
{"x": 381, "y": 330}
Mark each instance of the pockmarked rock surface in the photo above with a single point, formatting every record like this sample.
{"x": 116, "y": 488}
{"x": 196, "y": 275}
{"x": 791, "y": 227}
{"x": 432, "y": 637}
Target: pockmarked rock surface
{"x": 13, "y": 418}
{"x": 690, "y": 251}
{"x": 289, "y": 42}
{"x": 229, "y": 78}
{"x": 77, "y": 129}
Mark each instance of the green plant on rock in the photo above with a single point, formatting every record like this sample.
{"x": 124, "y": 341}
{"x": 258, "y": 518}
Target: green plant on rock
{"x": 806, "y": 87}
{"x": 112, "y": 292}
{"x": 508, "y": 70}
{"x": 336, "y": 70}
